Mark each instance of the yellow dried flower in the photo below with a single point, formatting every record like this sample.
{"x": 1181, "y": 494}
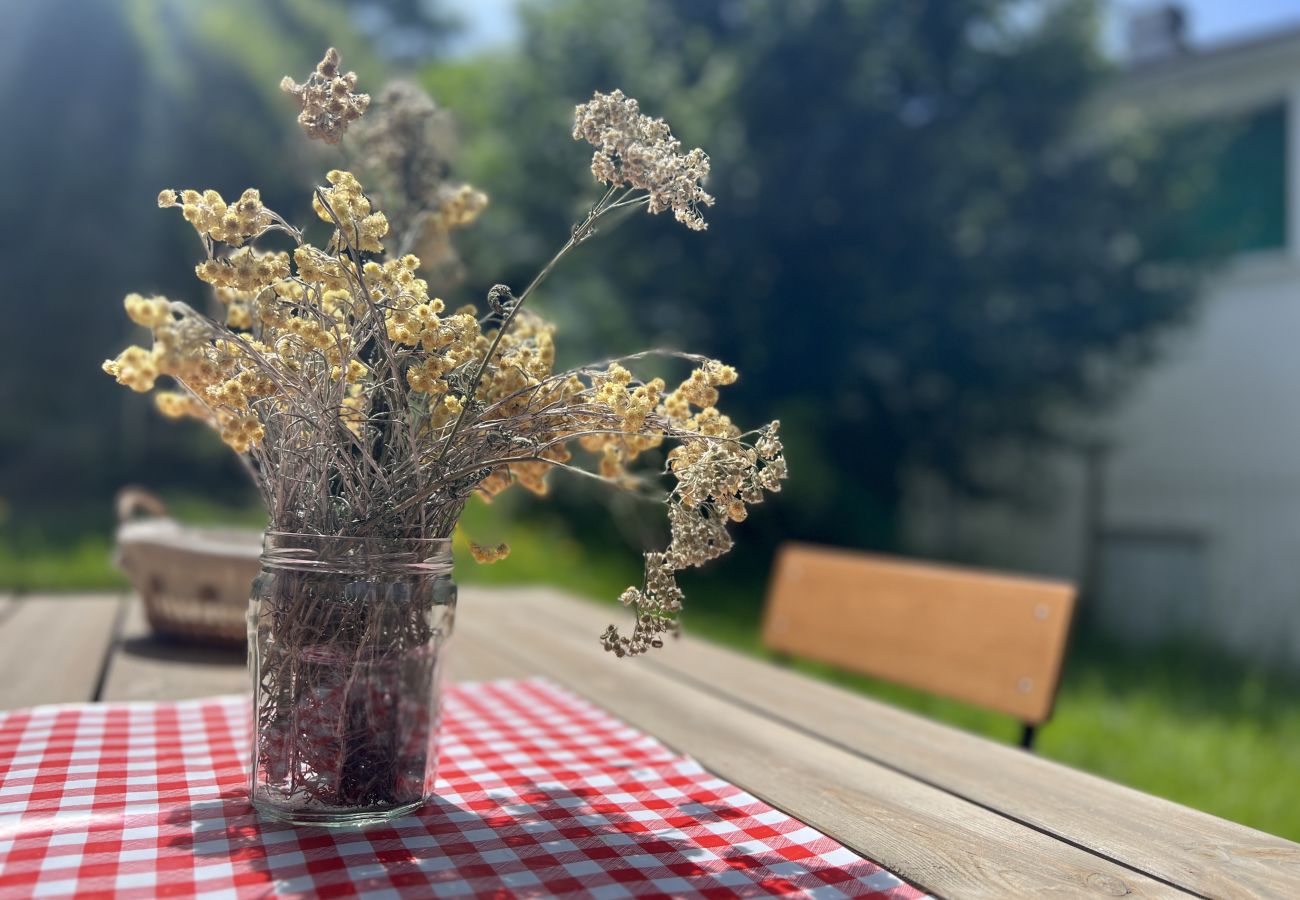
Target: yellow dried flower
{"x": 135, "y": 367}
{"x": 497, "y": 481}
{"x": 242, "y": 432}
{"x": 319, "y": 268}
{"x": 457, "y": 208}
{"x": 487, "y": 555}
{"x": 356, "y": 370}
{"x": 357, "y": 225}
{"x": 238, "y": 315}
{"x": 352, "y": 412}
{"x": 718, "y": 374}
{"x": 211, "y": 216}
{"x": 424, "y": 376}
{"x": 177, "y": 405}
{"x": 245, "y": 270}
{"x": 150, "y": 312}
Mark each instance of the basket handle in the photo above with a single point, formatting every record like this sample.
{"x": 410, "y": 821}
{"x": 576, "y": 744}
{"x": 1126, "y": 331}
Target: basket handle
{"x": 134, "y": 500}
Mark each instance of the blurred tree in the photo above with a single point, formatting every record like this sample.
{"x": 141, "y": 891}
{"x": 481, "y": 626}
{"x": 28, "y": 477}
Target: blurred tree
{"x": 107, "y": 102}
{"x": 919, "y": 259}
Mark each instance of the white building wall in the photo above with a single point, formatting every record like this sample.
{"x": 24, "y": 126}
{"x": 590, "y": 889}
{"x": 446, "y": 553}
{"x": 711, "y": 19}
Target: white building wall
{"x": 1192, "y": 522}
{"x": 1210, "y": 445}
{"x": 1198, "y": 527}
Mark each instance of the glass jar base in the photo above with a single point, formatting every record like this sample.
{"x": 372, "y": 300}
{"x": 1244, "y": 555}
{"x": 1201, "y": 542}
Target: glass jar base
{"x": 334, "y": 818}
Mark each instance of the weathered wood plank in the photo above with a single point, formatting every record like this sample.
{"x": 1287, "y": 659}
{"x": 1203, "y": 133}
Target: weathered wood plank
{"x": 55, "y": 647}
{"x": 1200, "y": 852}
{"x": 145, "y": 667}
{"x": 470, "y": 658}
{"x": 928, "y": 836}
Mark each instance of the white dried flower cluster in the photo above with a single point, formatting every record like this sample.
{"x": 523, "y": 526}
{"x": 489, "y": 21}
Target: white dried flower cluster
{"x": 640, "y": 152}
{"x": 716, "y": 480}
{"x": 329, "y": 104}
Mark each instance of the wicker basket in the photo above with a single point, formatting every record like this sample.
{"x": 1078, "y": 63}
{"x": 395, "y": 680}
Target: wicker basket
{"x": 195, "y": 582}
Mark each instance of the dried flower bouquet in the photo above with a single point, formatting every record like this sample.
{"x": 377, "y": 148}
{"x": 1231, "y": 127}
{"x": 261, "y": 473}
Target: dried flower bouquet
{"x": 365, "y": 410}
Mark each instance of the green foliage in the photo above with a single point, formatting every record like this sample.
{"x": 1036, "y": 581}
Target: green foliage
{"x": 64, "y": 549}
{"x": 1183, "y": 722}
{"x": 1247, "y": 209}
{"x": 916, "y": 258}
{"x": 31, "y": 561}
{"x": 540, "y": 548}
{"x": 111, "y": 102}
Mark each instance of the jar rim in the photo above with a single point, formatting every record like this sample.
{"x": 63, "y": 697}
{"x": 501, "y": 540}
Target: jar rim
{"x": 412, "y": 540}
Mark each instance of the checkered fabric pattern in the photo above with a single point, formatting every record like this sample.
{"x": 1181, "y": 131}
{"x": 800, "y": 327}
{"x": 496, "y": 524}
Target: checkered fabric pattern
{"x": 539, "y": 794}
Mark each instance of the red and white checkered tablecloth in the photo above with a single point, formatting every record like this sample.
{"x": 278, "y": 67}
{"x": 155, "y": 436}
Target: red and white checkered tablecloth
{"x": 539, "y": 794}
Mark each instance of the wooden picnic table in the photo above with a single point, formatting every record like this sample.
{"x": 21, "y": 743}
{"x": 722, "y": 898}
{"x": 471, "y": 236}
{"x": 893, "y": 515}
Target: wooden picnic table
{"x": 953, "y": 813}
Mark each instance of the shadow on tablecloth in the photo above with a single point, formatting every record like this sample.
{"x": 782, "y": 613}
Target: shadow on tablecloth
{"x": 531, "y": 840}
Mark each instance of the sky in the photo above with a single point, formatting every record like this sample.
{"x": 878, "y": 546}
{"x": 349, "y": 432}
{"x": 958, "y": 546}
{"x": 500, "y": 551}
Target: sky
{"x": 1216, "y": 20}
{"x": 490, "y": 23}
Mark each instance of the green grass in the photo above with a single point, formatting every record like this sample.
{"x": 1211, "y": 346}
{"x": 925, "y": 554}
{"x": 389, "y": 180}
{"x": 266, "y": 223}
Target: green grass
{"x": 32, "y": 561}
{"x": 1186, "y": 724}
{"x": 540, "y": 553}
{"x": 1179, "y": 722}
{"x": 72, "y": 549}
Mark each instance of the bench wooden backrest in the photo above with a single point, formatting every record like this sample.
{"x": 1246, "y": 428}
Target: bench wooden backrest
{"x": 997, "y": 641}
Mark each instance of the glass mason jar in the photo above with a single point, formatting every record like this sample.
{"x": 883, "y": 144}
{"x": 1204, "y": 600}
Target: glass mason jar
{"x": 345, "y": 642}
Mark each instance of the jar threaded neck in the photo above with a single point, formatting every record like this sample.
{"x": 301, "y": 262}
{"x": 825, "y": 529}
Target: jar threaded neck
{"x": 375, "y": 556}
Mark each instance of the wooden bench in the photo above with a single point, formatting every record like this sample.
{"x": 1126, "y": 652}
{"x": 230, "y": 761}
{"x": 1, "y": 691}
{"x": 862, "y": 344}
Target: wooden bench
{"x": 996, "y": 641}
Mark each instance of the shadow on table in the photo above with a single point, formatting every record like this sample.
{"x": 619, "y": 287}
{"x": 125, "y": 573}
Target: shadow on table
{"x": 539, "y": 840}
{"x": 151, "y": 647}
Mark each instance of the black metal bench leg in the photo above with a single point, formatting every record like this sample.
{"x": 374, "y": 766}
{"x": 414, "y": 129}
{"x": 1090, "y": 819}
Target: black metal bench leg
{"x": 1027, "y": 737}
